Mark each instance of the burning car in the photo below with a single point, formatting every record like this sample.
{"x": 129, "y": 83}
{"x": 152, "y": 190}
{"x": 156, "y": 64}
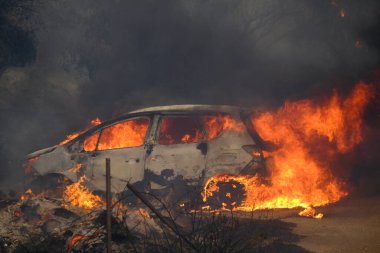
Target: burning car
{"x": 158, "y": 145}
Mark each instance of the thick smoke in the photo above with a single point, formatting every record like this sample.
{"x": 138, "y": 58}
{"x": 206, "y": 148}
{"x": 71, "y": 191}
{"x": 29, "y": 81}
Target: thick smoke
{"x": 101, "y": 58}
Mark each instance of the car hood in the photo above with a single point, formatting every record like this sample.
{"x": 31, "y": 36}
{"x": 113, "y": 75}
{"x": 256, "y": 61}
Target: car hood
{"x": 41, "y": 152}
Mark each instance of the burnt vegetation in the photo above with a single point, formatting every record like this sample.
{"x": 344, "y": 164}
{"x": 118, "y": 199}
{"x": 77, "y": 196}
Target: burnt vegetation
{"x": 42, "y": 225}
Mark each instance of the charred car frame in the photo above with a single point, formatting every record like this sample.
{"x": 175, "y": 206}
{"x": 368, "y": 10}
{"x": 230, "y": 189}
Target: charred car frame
{"x": 157, "y": 146}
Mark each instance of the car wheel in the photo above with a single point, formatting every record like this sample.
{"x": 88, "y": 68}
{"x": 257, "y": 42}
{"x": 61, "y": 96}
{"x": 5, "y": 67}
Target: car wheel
{"x": 230, "y": 194}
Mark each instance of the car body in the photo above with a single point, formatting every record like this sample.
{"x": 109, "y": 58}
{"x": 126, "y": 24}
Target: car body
{"x": 158, "y": 145}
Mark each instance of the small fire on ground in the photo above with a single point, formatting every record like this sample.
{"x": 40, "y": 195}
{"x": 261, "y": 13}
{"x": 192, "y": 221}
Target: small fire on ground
{"x": 78, "y": 195}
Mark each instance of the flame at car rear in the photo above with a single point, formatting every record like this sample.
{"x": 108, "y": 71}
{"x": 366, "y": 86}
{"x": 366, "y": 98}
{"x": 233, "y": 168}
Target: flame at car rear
{"x": 308, "y": 135}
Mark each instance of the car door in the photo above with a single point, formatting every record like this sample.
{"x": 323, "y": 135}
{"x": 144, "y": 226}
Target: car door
{"x": 122, "y": 142}
{"x": 176, "y": 151}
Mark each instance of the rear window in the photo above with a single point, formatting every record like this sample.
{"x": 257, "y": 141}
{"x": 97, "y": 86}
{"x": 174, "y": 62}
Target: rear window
{"x": 129, "y": 133}
{"x": 190, "y": 129}
{"x": 177, "y": 130}
{"x": 214, "y": 125}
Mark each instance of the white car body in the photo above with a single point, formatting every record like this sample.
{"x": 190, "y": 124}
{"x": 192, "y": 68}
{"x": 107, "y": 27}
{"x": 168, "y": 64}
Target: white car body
{"x": 157, "y": 163}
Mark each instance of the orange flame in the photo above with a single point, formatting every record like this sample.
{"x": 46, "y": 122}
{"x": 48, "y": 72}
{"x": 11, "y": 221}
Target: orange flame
{"x": 303, "y": 131}
{"x": 27, "y": 194}
{"x": 213, "y": 125}
{"x": 311, "y": 212}
{"x": 74, "y": 240}
{"x": 79, "y": 195}
{"x": 70, "y": 137}
{"x": 129, "y": 133}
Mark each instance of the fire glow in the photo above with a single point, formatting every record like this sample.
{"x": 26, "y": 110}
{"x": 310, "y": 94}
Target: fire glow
{"x": 70, "y": 137}
{"x": 213, "y": 125}
{"x": 301, "y": 130}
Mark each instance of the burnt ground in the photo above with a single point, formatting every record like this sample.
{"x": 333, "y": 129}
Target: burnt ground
{"x": 352, "y": 225}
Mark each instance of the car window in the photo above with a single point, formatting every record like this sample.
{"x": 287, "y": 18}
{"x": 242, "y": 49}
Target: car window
{"x": 90, "y": 142}
{"x": 129, "y": 133}
{"x": 179, "y": 129}
{"x": 213, "y": 126}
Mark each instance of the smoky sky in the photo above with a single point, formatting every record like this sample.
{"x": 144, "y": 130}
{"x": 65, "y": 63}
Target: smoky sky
{"x": 101, "y": 58}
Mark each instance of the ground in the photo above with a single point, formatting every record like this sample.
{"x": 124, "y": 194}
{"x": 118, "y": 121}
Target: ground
{"x": 349, "y": 226}
{"x": 353, "y": 225}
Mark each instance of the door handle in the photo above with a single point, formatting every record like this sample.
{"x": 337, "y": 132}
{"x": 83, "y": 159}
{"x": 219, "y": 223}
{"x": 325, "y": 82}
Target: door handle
{"x": 203, "y": 147}
{"x": 137, "y": 160}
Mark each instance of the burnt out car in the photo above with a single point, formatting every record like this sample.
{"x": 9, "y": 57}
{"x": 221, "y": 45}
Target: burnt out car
{"x": 158, "y": 145}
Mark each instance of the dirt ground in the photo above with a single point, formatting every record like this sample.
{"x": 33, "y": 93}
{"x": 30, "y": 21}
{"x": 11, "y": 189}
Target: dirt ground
{"x": 349, "y": 226}
{"x": 352, "y": 225}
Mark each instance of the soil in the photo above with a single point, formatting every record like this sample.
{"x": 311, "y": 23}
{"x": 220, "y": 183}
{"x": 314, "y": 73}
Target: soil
{"x": 352, "y": 225}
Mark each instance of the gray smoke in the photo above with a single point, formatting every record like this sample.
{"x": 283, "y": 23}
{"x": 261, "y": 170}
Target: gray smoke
{"x": 102, "y": 58}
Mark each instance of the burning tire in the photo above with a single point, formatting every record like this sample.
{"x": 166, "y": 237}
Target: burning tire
{"x": 229, "y": 194}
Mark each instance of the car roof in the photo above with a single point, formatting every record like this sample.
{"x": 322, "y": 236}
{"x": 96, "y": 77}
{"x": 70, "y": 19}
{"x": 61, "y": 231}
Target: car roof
{"x": 167, "y": 109}
{"x": 191, "y": 108}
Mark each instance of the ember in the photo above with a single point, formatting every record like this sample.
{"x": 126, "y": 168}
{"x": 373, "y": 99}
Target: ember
{"x": 298, "y": 178}
{"x": 214, "y": 125}
{"x": 74, "y": 240}
{"x": 27, "y": 194}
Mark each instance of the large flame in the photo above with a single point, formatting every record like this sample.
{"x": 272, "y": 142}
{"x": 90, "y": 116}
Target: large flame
{"x": 307, "y": 135}
{"x": 129, "y": 133}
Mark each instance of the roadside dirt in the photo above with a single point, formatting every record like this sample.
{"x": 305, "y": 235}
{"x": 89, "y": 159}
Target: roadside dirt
{"x": 352, "y": 225}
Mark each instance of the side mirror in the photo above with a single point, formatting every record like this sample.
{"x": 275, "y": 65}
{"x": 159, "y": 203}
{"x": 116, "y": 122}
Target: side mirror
{"x": 203, "y": 147}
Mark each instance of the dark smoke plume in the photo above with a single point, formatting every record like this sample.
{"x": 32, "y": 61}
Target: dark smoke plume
{"x": 101, "y": 58}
